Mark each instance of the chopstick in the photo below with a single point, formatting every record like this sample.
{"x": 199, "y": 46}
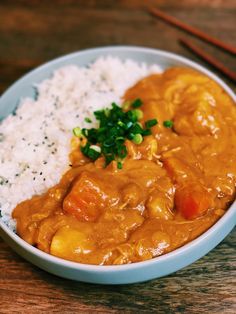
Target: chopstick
{"x": 209, "y": 59}
{"x": 192, "y": 30}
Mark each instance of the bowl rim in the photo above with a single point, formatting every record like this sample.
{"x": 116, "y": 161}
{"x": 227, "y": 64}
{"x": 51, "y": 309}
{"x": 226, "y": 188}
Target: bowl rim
{"x": 230, "y": 213}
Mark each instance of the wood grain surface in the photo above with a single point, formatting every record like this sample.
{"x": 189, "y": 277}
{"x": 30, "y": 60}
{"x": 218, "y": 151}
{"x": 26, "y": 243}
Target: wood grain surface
{"x": 33, "y": 32}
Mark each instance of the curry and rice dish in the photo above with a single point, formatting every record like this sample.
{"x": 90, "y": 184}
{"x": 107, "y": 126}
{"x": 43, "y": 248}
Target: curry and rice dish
{"x": 153, "y": 174}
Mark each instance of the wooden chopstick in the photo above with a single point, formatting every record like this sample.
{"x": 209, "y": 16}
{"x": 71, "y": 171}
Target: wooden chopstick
{"x": 209, "y": 59}
{"x": 192, "y": 30}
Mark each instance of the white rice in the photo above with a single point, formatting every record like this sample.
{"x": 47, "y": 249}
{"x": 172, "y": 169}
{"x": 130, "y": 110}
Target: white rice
{"x": 35, "y": 142}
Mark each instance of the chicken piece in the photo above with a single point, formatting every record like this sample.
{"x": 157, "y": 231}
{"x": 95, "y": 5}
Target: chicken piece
{"x": 196, "y": 114}
{"x": 131, "y": 194}
{"x": 146, "y": 150}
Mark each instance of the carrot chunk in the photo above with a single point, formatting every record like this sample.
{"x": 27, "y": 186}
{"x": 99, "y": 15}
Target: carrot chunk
{"x": 85, "y": 199}
{"x": 192, "y": 201}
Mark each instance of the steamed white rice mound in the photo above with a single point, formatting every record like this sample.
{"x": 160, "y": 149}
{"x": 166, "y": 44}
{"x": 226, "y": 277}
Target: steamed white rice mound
{"x": 35, "y": 142}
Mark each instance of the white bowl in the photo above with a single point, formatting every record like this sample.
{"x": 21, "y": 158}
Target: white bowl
{"x": 122, "y": 274}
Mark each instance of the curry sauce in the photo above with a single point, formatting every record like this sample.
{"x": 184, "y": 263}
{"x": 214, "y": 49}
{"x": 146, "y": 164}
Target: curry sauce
{"x": 173, "y": 186}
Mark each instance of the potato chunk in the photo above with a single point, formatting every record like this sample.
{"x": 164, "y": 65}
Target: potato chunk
{"x": 160, "y": 205}
{"x": 69, "y": 243}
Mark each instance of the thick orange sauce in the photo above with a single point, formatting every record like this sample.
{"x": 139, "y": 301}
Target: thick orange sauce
{"x": 172, "y": 187}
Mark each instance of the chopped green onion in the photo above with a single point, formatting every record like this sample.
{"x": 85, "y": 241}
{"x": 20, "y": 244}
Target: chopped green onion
{"x": 77, "y": 132}
{"x": 132, "y": 116}
{"x": 84, "y": 132}
{"x": 108, "y": 142}
{"x": 107, "y": 112}
{"x": 119, "y": 164}
{"x": 136, "y": 129}
{"x": 137, "y": 103}
{"x": 129, "y": 124}
{"x": 146, "y": 132}
{"x": 121, "y": 124}
{"x": 168, "y": 123}
{"x": 139, "y": 113}
{"x": 96, "y": 148}
{"x": 130, "y": 136}
{"x": 122, "y": 151}
{"x": 115, "y": 126}
{"x": 137, "y": 139}
{"x": 87, "y": 120}
{"x": 150, "y": 123}
{"x": 92, "y": 154}
{"x": 126, "y": 105}
{"x": 120, "y": 138}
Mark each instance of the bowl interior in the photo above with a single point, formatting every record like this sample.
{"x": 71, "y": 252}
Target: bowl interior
{"x": 176, "y": 259}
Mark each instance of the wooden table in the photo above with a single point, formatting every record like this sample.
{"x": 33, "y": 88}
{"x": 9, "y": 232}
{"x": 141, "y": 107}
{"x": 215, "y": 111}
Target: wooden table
{"x": 34, "y": 31}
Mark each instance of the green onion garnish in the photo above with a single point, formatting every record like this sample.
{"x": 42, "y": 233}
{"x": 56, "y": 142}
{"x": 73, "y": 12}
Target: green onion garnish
{"x": 115, "y": 126}
{"x": 146, "y": 132}
{"x": 96, "y": 148}
{"x": 150, "y": 123}
{"x": 119, "y": 164}
{"x": 137, "y": 103}
{"x": 87, "y": 120}
{"x": 77, "y": 132}
{"x": 126, "y": 105}
{"x": 168, "y": 124}
{"x": 139, "y": 113}
{"x": 137, "y": 139}
{"x": 90, "y": 152}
